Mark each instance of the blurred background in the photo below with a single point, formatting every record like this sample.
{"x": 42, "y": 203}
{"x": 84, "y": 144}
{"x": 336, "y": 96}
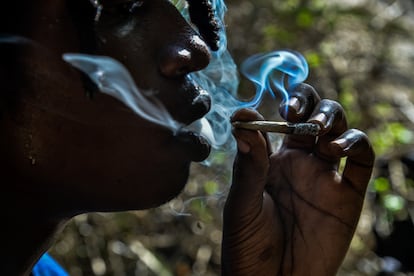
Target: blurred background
{"x": 361, "y": 53}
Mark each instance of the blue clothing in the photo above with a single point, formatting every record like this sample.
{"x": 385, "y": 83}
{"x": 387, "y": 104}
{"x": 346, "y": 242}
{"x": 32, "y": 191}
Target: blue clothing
{"x": 47, "y": 266}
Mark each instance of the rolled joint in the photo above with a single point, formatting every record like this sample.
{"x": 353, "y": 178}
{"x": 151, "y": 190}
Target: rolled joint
{"x": 310, "y": 129}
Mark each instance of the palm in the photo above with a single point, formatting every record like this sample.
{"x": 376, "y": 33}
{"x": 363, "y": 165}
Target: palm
{"x": 316, "y": 210}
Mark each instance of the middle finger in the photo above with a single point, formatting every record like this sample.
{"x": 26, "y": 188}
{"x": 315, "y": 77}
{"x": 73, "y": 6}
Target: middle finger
{"x": 298, "y": 108}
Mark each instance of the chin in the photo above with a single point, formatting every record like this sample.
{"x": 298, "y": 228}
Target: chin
{"x": 169, "y": 187}
{"x": 139, "y": 192}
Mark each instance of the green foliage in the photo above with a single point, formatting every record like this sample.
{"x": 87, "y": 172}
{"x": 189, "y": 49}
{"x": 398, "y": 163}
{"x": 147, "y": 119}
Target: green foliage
{"x": 348, "y": 99}
{"x": 179, "y": 4}
{"x": 305, "y": 19}
{"x": 389, "y": 136}
{"x": 393, "y": 203}
{"x": 199, "y": 208}
{"x": 211, "y": 187}
{"x": 218, "y": 157}
{"x": 314, "y": 59}
{"x": 287, "y": 6}
{"x": 273, "y": 32}
{"x": 381, "y": 185}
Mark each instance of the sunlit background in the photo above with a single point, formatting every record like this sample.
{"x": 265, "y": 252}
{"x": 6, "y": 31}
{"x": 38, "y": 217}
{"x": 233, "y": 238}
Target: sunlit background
{"x": 361, "y": 53}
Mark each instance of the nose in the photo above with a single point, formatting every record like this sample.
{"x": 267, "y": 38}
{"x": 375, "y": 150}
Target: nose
{"x": 184, "y": 56}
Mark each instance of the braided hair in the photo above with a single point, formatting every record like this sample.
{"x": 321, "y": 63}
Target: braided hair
{"x": 202, "y": 15}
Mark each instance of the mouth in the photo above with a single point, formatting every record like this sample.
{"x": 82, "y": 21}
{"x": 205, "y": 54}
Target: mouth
{"x": 195, "y": 136}
{"x": 188, "y": 104}
{"x": 194, "y": 144}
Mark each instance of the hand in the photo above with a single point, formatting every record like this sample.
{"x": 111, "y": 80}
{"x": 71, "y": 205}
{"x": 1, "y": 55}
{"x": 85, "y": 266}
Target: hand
{"x": 292, "y": 212}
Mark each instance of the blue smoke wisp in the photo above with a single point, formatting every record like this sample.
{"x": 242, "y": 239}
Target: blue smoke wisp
{"x": 275, "y": 73}
{"x": 113, "y": 78}
{"x": 270, "y": 72}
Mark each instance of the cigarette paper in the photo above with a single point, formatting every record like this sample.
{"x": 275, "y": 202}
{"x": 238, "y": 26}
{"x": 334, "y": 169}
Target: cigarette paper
{"x": 280, "y": 127}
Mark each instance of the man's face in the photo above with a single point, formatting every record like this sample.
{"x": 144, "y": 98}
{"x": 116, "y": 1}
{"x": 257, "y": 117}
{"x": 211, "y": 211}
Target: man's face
{"x": 160, "y": 49}
{"x": 96, "y": 153}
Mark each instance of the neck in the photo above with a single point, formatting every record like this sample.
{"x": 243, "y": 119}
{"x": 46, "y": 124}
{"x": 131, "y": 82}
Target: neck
{"x": 28, "y": 230}
{"x": 25, "y": 240}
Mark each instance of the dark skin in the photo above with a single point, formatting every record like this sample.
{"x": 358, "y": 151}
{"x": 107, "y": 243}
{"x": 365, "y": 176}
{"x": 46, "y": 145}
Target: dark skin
{"x": 64, "y": 154}
{"x": 291, "y": 212}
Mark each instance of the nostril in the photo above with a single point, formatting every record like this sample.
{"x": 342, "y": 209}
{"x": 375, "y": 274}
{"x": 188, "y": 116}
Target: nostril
{"x": 174, "y": 61}
{"x": 178, "y": 60}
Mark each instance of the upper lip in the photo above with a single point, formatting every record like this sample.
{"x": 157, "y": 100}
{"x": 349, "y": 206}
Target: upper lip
{"x": 193, "y": 102}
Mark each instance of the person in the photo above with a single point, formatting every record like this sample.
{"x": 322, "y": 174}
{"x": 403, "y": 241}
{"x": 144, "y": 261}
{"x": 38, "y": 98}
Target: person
{"x": 67, "y": 150}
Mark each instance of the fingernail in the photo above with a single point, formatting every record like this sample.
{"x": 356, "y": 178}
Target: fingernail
{"x": 337, "y": 147}
{"x": 291, "y": 106}
{"x": 345, "y": 143}
{"x": 341, "y": 143}
{"x": 320, "y": 119}
{"x": 294, "y": 103}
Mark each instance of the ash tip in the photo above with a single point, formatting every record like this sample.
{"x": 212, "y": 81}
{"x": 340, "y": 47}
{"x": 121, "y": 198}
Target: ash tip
{"x": 306, "y": 129}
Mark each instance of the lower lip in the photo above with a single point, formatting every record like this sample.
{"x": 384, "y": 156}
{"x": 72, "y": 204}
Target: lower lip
{"x": 196, "y": 146}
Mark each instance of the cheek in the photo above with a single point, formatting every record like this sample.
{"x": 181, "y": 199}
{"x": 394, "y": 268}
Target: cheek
{"x": 114, "y": 166}
{"x": 127, "y": 184}
{"x": 154, "y": 184}
{"x": 129, "y": 168}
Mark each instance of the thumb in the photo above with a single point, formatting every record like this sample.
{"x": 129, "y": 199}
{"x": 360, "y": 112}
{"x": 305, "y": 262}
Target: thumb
{"x": 250, "y": 169}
